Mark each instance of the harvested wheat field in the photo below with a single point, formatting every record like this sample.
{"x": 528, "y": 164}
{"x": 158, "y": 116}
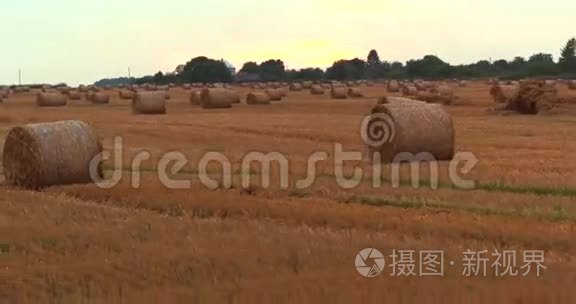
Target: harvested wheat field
{"x": 141, "y": 242}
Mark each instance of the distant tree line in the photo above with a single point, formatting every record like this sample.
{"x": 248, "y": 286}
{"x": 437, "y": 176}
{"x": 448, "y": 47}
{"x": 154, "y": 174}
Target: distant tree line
{"x": 206, "y": 70}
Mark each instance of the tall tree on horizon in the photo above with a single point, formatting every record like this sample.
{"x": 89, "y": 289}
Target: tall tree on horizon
{"x": 567, "y": 61}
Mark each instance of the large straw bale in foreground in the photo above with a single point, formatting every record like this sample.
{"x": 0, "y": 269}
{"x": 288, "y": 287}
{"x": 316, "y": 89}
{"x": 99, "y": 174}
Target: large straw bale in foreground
{"x": 50, "y": 100}
{"x": 410, "y": 127}
{"x": 218, "y": 98}
{"x": 149, "y": 103}
{"x": 57, "y": 153}
{"x": 258, "y": 98}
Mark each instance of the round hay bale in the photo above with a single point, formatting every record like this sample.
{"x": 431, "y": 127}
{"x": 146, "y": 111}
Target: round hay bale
{"x": 463, "y": 83}
{"x": 275, "y": 94}
{"x": 317, "y": 90}
{"x": 46, "y": 154}
{"x": 355, "y": 93}
{"x": 195, "y": 97}
{"x": 307, "y": 85}
{"x": 393, "y": 86}
{"x": 50, "y": 100}
{"x": 74, "y": 95}
{"x": 572, "y": 84}
{"x": 258, "y": 98}
{"x": 149, "y": 103}
{"x": 504, "y": 93}
{"x": 339, "y": 93}
{"x": 295, "y": 87}
{"x": 410, "y": 127}
{"x": 126, "y": 94}
{"x": 409, "y": 90}
{"x": 100, "y": 98}
{"x": 217, "y": 98}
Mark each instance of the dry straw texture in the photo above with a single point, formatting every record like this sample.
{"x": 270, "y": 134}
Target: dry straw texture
{"x": 339, "y": 93}
{"x": 355, "y": 92}
{"x": 149, "y": 103}
{"x": 317, "y": 90}
{"x": 218, "y": 98}
{"x": 50, "y": 100}
{"x": 416, "y": 128}
{"x": 46, "y": 154}
{"x": 258, "y": 98}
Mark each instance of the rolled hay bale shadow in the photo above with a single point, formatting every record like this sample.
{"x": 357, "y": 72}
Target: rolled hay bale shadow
{"x": 275, "y": 94}
{"x": 339, "y": 93}
{"x": 37, "y": 156}
{"x": 51, "y": 100}
{"x": 404, "y": 126}
{"x": 317, "y": 90}
{"x": 218, "y": 98}
{"x": 100, "y": 98}
{"x": 355, "y": 93}
{"x": 149, "y": 102}
{"x": 258, "y": 98}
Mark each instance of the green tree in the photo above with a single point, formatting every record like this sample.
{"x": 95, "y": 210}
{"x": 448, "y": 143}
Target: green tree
{"x": 347, "y": 70}
{"x": 203, "y": 69}
{"x": 159, "y": 78}
{"x": 541, "y": 64}
{"x": 567, "y": 61}
{"x": 373, "y": 58}
{"x": 272, "y": 70}
{"x": 250, "y": 67}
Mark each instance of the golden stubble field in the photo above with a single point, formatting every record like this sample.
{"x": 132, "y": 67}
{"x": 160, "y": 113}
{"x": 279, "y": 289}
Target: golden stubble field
{"x": 82, "y": 244}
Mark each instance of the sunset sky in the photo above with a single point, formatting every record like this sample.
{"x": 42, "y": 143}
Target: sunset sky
{"x": 81, "y": 41}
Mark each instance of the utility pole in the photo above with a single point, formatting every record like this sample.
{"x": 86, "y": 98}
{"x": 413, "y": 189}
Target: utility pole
{"x": 129, "y": 74}
{"x": 19, "y": 76}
